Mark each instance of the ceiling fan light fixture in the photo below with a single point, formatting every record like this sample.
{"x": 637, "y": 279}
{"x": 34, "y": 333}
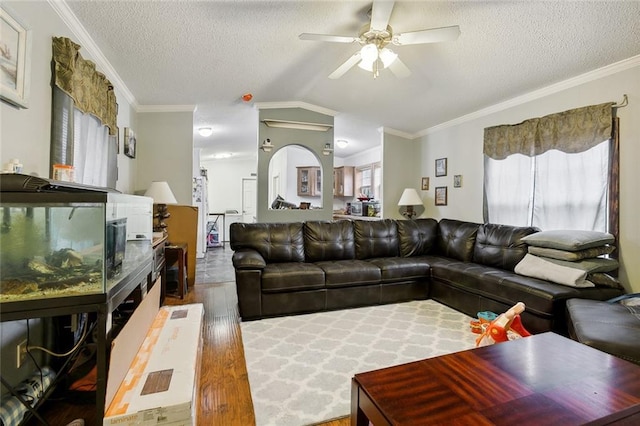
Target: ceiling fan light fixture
{"x": 388, "y": 56}
{"x": 369, "y": 53}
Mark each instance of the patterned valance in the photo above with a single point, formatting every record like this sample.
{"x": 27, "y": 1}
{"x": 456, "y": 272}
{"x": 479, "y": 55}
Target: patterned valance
{"x": 90, "y": 90}
{"x": 572, "y": 131}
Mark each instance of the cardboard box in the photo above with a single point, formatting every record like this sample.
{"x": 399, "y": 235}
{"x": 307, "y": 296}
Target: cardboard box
{"x": 160, "y": 386}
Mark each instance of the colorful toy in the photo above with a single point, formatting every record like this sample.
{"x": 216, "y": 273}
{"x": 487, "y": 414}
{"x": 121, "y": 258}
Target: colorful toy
{"x": 507, "y": 326}
{"x": 480, "y": 324}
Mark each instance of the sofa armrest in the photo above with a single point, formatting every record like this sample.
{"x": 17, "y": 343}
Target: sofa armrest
{"x": 248, "y": 259}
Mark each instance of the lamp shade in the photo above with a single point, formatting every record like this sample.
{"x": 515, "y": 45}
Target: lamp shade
{"x": 161, "y": 193}
{"x": 410, "y": 197}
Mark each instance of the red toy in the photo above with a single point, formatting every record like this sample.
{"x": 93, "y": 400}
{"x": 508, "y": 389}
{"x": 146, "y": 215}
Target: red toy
{"x": 507, "y": 326}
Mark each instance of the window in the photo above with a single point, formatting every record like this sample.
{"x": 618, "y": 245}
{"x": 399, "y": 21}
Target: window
{"x": 368, "y": 180}
{"x": 553, "y": 172}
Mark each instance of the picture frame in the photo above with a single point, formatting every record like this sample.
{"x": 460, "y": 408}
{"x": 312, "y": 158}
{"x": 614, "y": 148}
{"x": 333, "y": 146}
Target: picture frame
{"x": 129, "y": 143}
{"x": 457, "y": 181}
{"x": 441, "y": 167}
{"x": 441, "y": 196}
{"x": 425, "y": 184}
{"x": 15, "y": 59}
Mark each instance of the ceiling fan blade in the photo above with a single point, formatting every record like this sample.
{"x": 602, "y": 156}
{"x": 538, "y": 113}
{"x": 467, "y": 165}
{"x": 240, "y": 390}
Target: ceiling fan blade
{"x": 399, "y": 69}
{"x": 327, "y": 37}
{"x": 380, "y": 14}
{"x": 346, "y": 66}
{"x": 433, "y": 35}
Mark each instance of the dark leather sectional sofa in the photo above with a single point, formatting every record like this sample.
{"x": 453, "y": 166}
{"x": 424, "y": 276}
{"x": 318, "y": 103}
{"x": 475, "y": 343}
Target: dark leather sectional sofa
{"x": 290, "y": 268}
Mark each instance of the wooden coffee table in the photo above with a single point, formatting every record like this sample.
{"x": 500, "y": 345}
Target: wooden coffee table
{"x": 542, "y": 379}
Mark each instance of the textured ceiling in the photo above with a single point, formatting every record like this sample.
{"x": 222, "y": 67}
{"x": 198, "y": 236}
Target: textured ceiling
{"x": 208, "y": 53}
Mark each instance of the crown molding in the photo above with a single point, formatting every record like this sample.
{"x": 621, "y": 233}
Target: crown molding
{"x": 296, "y": 104}
{"x": 398, "y": 133}
{"x": 587, "y": 77}
{"x": 165, "y": 108}
{"x": 87, "y": 43}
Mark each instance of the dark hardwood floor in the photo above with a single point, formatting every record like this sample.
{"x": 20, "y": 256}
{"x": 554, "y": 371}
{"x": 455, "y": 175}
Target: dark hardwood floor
{"x": 225, "y": 396}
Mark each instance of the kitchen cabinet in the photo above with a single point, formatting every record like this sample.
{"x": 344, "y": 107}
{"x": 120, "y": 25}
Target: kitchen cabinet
{"x": 309, "y": 181}
{"x": 343, "y": 181}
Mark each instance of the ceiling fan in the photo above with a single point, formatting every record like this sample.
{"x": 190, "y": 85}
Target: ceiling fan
{"x": 374, "y": 38}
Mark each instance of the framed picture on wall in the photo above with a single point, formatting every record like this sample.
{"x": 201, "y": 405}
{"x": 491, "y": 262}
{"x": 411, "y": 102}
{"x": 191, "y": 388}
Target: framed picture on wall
{"x": 441, "y": 167}
{"x": 15, "y": 59}
{"x": 129, "y": 143}
{"x": 457, "y": 181}
{"x": 441, "y": 196}
{"x": 425, "y": 183}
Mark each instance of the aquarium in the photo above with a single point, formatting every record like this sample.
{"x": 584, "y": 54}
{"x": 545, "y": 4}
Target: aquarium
{"x": 60, "y": 240}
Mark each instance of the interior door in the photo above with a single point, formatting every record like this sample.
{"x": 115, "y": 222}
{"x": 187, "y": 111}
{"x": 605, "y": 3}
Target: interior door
{"x": 249, "y": 200}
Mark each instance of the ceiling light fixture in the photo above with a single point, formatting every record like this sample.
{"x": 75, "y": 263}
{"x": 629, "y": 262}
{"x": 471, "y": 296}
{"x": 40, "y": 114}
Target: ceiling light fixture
{"x": 205, "y": 131}
{"x": 223, "y": 155}
{"x": 341, "y": 143}
{"x": 381, "y": 59}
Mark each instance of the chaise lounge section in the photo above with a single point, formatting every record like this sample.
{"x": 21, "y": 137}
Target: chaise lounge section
{"x": 300, "y": 267}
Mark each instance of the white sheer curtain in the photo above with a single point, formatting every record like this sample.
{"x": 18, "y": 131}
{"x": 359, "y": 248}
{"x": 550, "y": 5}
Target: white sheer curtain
{"x": 90, "y": 149}
{"x": 553, "y": 190}
{"x": 508, "y": 187}
{"x": 571, "y": 189}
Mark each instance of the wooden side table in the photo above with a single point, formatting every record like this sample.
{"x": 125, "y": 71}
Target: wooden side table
{"x": 177, "y": 253}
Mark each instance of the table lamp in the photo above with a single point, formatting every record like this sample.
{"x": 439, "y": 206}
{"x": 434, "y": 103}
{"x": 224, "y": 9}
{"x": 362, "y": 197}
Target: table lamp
{"x": 162, "y": 195}
{"x": 409, "y": 199}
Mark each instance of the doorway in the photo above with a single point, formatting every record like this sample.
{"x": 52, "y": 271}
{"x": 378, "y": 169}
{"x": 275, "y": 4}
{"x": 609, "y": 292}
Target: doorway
{"x": 249, "y": 197}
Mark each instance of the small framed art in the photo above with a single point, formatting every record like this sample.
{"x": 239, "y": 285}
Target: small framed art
{"x": 425, "y": 183}
{"x": 441, "y": 167}
{"x": 15, "y": 51}
{"x": 129, "y": 143}
{"x": 457, "y": 181}
{"x": 441, "y": 196}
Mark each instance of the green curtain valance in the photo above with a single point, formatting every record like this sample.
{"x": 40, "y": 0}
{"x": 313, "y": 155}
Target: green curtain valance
{"x": 571, "y": 131}
{"x": 91, "y": 91}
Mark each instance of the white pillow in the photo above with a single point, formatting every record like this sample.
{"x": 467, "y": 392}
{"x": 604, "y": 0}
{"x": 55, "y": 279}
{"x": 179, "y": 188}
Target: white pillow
{"x": 536, "y": 267}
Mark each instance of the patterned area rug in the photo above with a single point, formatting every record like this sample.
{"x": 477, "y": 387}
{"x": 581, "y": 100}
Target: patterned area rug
{"x": 300, "y": 367}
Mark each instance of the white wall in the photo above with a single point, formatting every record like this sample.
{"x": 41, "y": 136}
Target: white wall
{"x": 225, "y": 182}
{"x": 400, "y": 161}
{"x": 165, "y": 150}
{"x": 462, "y": 145}
{"x": 26, "y": 133}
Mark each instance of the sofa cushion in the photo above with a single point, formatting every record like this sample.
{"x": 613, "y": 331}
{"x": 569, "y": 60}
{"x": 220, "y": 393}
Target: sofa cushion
{"x": 417, "y": 237}
{"x": 328, "y": 240}
{"x": 276, "y": 242}
{"x": 501, "y": 246}
{"x": 394, "y": 269}
{"x": 590, "y": 266}
{"x": 609, "y": 327}
{"x": 456, "y": 239}
{"x": 572, "y": 256}
{"x": 541, "y": 297}
{"x": 349, "y": 273}
{"x": 570, "y": 240}
{"x": 537, "y": 267}
{"x": 377, "y": 238}
{"x": 292, "y": 276}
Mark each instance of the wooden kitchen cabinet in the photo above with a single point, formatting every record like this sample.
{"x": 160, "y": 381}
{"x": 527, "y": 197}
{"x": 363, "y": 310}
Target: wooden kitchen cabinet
{"x": 343, "y": 181}
{"x": 309, "y": 181}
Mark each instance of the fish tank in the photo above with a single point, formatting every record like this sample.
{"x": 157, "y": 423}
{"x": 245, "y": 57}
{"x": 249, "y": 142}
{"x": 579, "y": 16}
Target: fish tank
{"x": 59, "y": 239}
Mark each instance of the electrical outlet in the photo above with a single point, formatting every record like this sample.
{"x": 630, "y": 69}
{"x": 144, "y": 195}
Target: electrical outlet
{"x": 21, "y": 353}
